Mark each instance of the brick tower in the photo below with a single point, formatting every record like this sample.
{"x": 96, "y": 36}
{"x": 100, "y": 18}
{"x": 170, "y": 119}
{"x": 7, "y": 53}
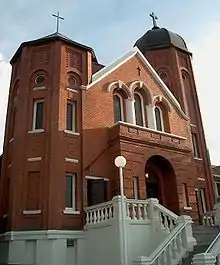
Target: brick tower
{"x": 40, "y": 143}
{"x": 168, "y": 54}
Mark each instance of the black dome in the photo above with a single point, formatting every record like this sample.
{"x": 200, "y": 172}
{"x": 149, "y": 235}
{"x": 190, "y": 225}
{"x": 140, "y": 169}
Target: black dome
{"x": 157, "y": 38}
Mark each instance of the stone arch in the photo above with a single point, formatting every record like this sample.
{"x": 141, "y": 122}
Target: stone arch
{"x": 160, "y": 99}
{"x": 120, "y": 85}
{"x": 140, "y": 85}
{"x": 161, "y": 182}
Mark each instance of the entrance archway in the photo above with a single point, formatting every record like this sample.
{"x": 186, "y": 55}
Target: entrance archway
{"x": 161, "y": 182}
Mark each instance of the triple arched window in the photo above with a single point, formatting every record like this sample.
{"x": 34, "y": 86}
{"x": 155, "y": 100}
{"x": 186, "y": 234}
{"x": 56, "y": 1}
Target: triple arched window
{"x": 144, "y": 113}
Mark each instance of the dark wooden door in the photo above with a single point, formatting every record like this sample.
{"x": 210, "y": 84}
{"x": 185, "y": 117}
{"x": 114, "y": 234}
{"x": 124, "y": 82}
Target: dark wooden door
{"x": 96, "y": 191}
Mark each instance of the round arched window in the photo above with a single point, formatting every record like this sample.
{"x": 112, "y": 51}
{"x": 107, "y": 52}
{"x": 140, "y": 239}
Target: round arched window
{"x": 72, "y": 81}
{"x": 39, "y": 79}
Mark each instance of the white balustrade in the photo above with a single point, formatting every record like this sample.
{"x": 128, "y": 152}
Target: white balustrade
{"x": 172, "y": 250}
{"x": 99, "y": 213}
{"x": 137, "y": 209}
{"x": 208, "y": 219}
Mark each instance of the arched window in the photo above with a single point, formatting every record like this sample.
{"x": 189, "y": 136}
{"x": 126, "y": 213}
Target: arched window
{"x": 139, "y": 109}
{"x": 118, "y": 108}
{"x": 159, "y": 118}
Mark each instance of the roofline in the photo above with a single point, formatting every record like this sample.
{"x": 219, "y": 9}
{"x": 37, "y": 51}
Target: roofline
{"x": 46, "y": 40}
{"x": 98, "y": 76}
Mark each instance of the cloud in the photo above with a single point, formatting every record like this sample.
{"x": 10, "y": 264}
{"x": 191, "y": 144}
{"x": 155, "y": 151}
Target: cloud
{"x": 206, "y": 65}
{"x": 5, "y": 72}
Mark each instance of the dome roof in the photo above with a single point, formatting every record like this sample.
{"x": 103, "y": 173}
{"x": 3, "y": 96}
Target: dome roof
{"x": 157, "y": 38}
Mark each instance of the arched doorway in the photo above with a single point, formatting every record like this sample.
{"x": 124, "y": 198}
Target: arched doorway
{"x": 161, "y": 182}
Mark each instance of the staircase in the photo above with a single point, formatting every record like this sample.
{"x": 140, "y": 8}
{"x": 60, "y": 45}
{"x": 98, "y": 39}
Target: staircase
{"x": 204, "y": 236}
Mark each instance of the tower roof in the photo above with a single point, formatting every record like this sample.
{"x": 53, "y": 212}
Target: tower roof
{"x": 53, "y": 37}
{"x": 158, "y": 38}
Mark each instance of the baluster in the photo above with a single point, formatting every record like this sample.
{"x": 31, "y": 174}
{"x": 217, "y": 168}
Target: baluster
{"x": 94, "y": 217}
{"x": 133, "y": 211}
{"x": 106, "y": 213}
{"x": 144, "y": 211}
{"x": 102, "y": 213}
{"x": 171, "y": 225}
{"x": 166, "y": 223}
{"x": 139, "y": 211}
{"x": 164, "y": 257}
{"x": 170, "y": 250}
{"x": 160, "y": 214}
{"x": 174, "y": 246}
{"x": 128, "y": 209}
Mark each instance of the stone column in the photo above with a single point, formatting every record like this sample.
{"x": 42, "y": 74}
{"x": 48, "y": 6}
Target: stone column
{"x": 150, "y": 117}
{"x": 130, "y": 111}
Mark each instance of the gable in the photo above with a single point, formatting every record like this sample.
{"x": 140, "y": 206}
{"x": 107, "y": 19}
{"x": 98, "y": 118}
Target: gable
{"x": 135, "y": 53}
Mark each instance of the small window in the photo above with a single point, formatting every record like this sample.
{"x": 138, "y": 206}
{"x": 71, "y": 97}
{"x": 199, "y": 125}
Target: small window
{"x": 39, "y": 79}
{"x": 71, "y": 116}
{"x": 70, "y": 191}
{"x": 118, "y": 108}
{"x": 139, "y": 109}
{"x": 163, "y": 75}
{"x": 185, "y": 195}
{"x": 217, "y": 189}
{"x": 38, "y": 114}
{"x": 195, "y": 146}
{"x": 136, "y": 188}
{"x": 159, "y": 118}
{"x": 202, "y": 199}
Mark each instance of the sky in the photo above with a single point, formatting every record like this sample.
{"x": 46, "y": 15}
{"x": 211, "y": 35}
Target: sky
{"x": 111, "y": 27}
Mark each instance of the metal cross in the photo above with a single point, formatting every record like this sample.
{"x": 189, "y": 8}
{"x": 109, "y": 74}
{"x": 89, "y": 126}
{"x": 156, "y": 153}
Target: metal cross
{"x": 139, "y": 71}
{"x": 58, "y": 20}
{"x": 154, "y": 17}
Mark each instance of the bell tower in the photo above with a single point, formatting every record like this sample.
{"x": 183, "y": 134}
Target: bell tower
{"x": 168, "y": 54}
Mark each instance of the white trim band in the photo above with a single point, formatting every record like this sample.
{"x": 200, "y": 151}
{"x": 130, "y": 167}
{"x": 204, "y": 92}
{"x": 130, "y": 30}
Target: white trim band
{"x": 201, "y": 179}
{"x": 36, "y": 131}
{"x": 70, "y": 211}
{"x": 93, "y": 177}
{"x": 33, "y": 159}
{"x": 39, "y": 88}
{"x": 32, "y": 212}
{"x": 71, "y": 160}
{"x": 71, "y": 132}
{"x": 71, "y": 90}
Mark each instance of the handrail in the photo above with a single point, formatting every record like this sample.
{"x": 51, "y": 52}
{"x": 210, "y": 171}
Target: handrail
{"x": 166, "y": 211}
{"x": 177, "y": 230}
{"x": 214, "y": 248}
{"x": 100, "y": 205}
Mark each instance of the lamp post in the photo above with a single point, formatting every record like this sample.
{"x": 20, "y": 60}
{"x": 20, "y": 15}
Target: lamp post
{"x": 120, "y": 163}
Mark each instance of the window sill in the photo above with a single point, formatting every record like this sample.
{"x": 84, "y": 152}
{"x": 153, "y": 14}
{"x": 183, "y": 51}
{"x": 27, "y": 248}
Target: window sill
{"x": 71, "y": 132}
{"x": 71, "y": 211}
{"x": 71, "y": 90}
{"x": 71, "y": 160}
{"x": 11, "y": 140}
{"x": 198, "y": 158}
{"x": 187, "y": 208}
{"x": 31, "y": 212}
{"x": 39, "y": 88}
{"x": 36, "y": 131}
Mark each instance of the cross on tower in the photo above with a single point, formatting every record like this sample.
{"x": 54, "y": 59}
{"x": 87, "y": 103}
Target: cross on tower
{"x": 154, "y": 17}
{"x": 58, "y": 20}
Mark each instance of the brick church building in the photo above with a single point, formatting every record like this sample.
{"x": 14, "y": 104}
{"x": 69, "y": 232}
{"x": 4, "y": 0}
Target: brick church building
{"x": 69, "y": 117}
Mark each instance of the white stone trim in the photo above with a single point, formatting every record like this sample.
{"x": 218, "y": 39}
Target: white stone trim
{"x": 9, "y": 165}
{"x": 149, "y": 130}
{"x": 98, "y": 76}
{"x": 11, "y": 140}
{"x": 39, "y": 88}
{"x": 71, "y": 160}
{"x": 93, "y": 177}
{"x": 72, "y": 90}
{"x": 42, "y": 235}
{"x": 187, "y": 208}
{"x": 33, "y": 159}
{"x": 70, "y": 211}
{"x": 198, "y": 158}
{"x": 71, "y": 132}
{"x": 31, "y": 212}
{"x": 36, "y": 131}
{"x": 201, "y": 179}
